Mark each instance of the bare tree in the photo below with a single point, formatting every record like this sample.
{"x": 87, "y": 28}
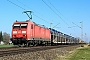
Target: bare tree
{"x": 6, "y": 37}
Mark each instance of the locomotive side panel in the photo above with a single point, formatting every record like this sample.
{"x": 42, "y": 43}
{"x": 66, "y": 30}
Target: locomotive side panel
{"x": 31, "y": 29}
{"x": 28, "y": 31}
{"x": 37, "y": 32}
{"x": 42, "y": 33}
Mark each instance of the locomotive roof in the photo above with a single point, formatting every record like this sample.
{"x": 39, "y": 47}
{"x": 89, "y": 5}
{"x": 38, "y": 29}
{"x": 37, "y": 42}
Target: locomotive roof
{"x": 41, "y": 25}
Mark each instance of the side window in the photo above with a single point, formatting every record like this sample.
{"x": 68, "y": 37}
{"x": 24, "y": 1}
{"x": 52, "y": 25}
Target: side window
{"x": 31, "y": 26}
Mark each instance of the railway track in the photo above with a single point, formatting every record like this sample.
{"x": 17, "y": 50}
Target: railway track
{"x": 13, "y": 51}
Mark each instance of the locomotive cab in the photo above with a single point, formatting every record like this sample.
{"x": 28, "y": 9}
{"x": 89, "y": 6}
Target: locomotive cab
{"x": 19, "y": 33}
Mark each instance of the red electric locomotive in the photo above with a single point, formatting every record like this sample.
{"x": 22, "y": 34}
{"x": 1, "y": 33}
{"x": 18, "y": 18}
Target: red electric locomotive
{"x": 28, "y": 32}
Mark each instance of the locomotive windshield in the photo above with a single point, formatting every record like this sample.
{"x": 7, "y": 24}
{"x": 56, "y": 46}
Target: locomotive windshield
{"x": 23, "y": 25}
{"x": 20, "y": 26}
{"x": 16, "y": 26}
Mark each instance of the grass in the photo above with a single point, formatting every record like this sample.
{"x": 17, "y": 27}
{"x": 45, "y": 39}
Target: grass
{"x": 82, "y": 53}
{"x": 6, "y": 46}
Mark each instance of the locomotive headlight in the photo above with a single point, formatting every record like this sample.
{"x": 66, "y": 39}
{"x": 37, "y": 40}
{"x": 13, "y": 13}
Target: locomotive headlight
{"x": 23, "y": 31}
{"x": 14, "y": 32}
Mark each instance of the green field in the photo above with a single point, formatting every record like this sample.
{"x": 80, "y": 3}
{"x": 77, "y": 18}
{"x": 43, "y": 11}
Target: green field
{"x": 6, "y": 46}
{"x": 81, "y": 54}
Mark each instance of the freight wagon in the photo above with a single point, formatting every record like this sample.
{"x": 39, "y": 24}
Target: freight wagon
{"x": 58, "y": 37}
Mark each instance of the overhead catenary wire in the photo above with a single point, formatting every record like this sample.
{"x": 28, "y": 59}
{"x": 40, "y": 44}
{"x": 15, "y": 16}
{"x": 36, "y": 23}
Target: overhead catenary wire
{"x": 16, "y": 5}
{"x": 54, "y": 11}
{"x": 76, "y": 25}
{"x": 27, "y": 6}
{"x": 25, "y": 9}
{"x": 57, "y": 14}
{"x": 58, "y": 11}
{"x": 56, "y": 25}
{"x": 33, "y": 13}
{"x": 40, "y": 18}
{"x": 80, "y": 28}
{"x": 34, "y": 10}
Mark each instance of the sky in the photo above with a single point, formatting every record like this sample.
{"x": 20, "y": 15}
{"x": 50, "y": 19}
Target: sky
{"x": 65, "y": 15}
